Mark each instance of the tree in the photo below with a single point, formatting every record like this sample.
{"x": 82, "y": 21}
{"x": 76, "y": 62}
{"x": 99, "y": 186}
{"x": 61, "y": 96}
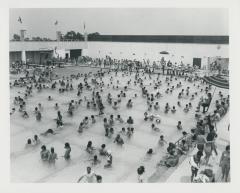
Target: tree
{"x": 71, "y": 35}
{"x": 16, "y": 37}
{"x": 93, "y": 35}
{"x": 36, "y": 39}
{"x": 79, "y": 36}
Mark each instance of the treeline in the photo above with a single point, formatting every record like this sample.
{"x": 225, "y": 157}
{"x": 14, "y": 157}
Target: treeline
{"x": 76, "y": 36}
{"x": 69, "y": 36}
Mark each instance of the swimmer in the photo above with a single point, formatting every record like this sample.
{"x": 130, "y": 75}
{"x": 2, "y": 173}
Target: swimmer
{"x": 186, "y": 109}
{"x": 36, "y": 141}
{"x": 25, "y": 115}
{"x": 28, "y": 144}
{"x": 52, "y": 156}
{"x": 44, "y": 153}
{"x": 162, "y": 141}
{"x": 102, "y": 150}
{"x": 119, "y": 118}
{"x": 67, "y": 151}
{"x": 173, "y": 110}
{"x": 154, "y": 128}
{"x": 94, "y": 161}
{"x": 109, "y": 159}
{"x": 118, "y": 140}
{"x": 93, "y": 119}
{"x": 179, "y": 125}
{"x": 90, "y": 149}
{"x": 49, "y": 131}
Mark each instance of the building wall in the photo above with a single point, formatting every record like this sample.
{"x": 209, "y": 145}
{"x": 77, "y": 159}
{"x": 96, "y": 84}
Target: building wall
{"x": 177, "y": 51}
{"x": 15, "y": 56}
{"x": 51, "y": 45}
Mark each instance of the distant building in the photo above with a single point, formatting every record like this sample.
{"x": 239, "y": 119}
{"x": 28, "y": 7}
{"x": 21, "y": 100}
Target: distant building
{"x": 39, "y": 52}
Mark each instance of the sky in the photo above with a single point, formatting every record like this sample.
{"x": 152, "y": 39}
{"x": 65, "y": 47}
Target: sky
{"x": 120, "y": 21}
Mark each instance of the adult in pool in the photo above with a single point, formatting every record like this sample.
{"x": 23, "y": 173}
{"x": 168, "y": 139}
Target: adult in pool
{"x": 68, "y": 150}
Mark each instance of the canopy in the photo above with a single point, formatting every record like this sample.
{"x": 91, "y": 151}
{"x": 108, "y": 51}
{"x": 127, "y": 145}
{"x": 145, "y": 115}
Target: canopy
{"x": 217, "y": 80}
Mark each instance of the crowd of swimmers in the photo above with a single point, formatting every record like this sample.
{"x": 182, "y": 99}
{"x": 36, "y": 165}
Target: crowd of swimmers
{"x": 202, "y": 136}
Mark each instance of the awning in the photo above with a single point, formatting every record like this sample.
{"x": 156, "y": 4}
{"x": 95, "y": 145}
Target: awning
{"x": 217, "y": 81}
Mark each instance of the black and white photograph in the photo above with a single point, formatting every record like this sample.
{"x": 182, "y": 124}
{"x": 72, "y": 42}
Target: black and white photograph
{"x": 119, "y": 95}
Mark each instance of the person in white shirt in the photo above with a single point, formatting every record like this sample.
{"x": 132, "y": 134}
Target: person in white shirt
{"x": 195, "y": 164}
{"x": 89, "y": 177}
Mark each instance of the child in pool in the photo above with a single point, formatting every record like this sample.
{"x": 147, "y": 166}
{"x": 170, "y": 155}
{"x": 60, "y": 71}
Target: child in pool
{"x": 118, "y": 140}
{"x": 179, "y": 125}
{"x": 162, "y": 141}
{"x": 154, "y": 128}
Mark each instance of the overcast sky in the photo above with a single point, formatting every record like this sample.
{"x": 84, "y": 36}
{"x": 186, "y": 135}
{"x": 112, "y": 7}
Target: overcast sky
{"x": 159, "y": 21}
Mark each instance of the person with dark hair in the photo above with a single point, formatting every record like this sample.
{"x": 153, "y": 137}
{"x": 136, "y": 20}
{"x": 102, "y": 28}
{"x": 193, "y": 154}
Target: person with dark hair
{"x": 118, "y": 140}
{"x": 208, "y": 149}
{"x": 99, "y": 178}
{"x": 49, "y": 131}
{"x": 195, "y": 164}
{"x": 52, "y": 156}
{"x": 130, "y": 120}
{"x": 90, "y": 148}
{"x": 109, "y": 159}
{"x": 44, "y": 153}
{"x": 119, "y": 118}
{"x": 67, "y": 151}
{"x": 36, "y": 140}
{"x": 225, "y": 163}
{"x": 29, "y": 143}
{"x": 89, "y": 177}
{"x": 206, "y": 102}
{"x": 162, "y": 141}
{"x": 95, "y": 161}
{"x": 140, "y": 172}
{"x": 179, "y": 125}
{"x": 102, "y": 150}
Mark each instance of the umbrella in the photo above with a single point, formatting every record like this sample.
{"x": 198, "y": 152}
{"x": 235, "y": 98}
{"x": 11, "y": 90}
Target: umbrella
{"x": 164, "y": 52}
{"x": 217, "y": 80}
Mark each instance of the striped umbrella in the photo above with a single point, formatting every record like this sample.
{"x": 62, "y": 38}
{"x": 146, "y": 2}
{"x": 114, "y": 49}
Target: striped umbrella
{"x": 217, "y": 80}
